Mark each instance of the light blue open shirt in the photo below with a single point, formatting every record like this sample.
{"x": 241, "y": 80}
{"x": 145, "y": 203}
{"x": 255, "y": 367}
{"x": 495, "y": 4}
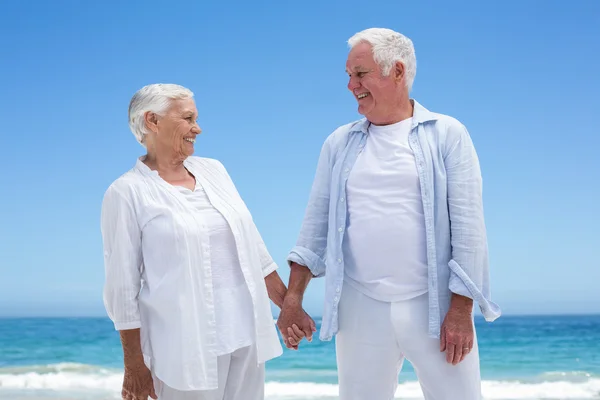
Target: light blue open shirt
{"x": 451, "y": 189}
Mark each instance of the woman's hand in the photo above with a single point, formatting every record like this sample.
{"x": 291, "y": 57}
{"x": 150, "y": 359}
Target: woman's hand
{"x": 294, "y": 323}
{"x": 138, "y": 383}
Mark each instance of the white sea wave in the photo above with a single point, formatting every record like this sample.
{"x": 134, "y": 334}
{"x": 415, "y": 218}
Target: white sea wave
{"x": 73, "y": 379}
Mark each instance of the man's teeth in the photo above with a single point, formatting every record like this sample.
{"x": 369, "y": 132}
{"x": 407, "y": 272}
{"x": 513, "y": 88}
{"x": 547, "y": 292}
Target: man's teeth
{"x": 362, "y": 95}
{"x": 190, "y": 140}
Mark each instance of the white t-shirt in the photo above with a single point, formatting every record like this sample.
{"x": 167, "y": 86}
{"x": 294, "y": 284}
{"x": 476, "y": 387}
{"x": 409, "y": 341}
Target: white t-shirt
{"x": 234, "y": 313}
{"x": 385, "y": 252}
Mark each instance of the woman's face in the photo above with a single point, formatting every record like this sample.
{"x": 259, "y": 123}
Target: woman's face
{"x": 175, "y": 132}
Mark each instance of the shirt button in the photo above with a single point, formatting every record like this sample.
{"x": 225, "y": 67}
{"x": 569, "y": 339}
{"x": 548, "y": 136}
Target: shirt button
{"x": 335, "y": 299}
{"x": 337, "y": 290}
{"x": 342, "y": 199}
{"x": 340, "y": 229}
{"x": 339, "y": 260}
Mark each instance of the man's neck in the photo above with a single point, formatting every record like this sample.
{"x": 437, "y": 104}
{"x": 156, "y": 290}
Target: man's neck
{"x": 403, "y": 111}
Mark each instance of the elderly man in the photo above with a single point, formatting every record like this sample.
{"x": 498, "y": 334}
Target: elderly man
{"x": 395, "y": 223}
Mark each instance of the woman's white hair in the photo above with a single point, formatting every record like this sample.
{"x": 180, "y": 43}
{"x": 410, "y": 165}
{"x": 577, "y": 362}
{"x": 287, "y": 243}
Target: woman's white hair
{"x": 389, "y": 47}
{"x": 155, "y": 98}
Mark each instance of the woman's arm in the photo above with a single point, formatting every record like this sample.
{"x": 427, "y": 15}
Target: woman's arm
{"x": 137, "y": 381}
{"x": 276, "y": 288}
{"x": 122, "y": 262}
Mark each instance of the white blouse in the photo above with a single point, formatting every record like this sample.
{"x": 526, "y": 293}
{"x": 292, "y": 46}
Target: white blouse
{"x": 233, "y": 304}
{"x": 159, "y": 278}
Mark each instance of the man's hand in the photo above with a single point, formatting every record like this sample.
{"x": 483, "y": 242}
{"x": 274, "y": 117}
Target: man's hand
{"x": 457, "y": 334}
{"x": 138, "y": 383}
{"x": 294, "y": 323}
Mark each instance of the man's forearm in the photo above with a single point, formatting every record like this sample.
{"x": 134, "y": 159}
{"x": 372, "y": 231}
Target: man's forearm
{"x": 461, "y": 302}
{"x": 276, "y": 288}
{"x": 132, "y": 348}
{"x": 300, "y": 276}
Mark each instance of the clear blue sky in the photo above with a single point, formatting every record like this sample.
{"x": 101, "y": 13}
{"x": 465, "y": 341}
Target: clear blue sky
{"x": 270, "y": 86}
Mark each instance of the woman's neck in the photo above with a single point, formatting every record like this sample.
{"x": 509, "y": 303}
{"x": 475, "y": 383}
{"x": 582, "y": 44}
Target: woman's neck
{"x": 167, "y": 166}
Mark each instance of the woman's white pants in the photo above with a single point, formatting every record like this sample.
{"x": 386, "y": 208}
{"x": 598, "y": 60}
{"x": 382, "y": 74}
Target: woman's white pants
{"x": 239, "y": 378}
{"x": 375, "y": 337}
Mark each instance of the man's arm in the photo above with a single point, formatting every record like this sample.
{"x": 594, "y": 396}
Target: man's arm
{"x": 310, "y": 249}
{"x": 469, "y": 268}
{"x": 307, "y": 258}
{"x": 293, "y": 322}
{"x": 300, "y": 276}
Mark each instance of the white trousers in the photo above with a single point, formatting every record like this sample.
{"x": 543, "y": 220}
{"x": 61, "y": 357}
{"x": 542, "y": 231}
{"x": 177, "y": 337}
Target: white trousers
{"x": 239, "y": 378}
{"x": 375, "y": 337}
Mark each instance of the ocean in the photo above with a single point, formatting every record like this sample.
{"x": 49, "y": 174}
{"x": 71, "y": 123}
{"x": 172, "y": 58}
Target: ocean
{"x": 524, "y": 357}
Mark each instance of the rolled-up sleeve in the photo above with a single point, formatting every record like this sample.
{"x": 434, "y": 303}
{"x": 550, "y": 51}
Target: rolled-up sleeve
{"x": 469, "y": 266}
{"x": 311, "y": 246}
{"x": 121, "y": 238}
{"x": 266, "y": 261}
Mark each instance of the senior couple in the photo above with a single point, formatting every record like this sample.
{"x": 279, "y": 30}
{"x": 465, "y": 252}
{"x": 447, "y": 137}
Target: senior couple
{"x": 394, "y": 223}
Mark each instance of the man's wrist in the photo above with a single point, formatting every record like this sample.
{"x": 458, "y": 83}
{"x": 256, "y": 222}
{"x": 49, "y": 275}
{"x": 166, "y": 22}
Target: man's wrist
{"x": 300, "y": 276}
{"x": 460, "y": 302}
{"x": 293, "y": 298}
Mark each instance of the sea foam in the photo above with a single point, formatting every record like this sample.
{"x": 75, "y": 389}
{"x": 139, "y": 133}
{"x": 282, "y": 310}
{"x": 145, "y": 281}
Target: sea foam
{"x": 79, "y": 377}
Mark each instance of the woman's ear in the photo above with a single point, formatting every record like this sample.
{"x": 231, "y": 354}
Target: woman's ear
{"x": 151, "y": 121}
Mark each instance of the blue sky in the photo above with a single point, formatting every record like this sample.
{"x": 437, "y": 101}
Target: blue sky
{"x": 270, "y": 86}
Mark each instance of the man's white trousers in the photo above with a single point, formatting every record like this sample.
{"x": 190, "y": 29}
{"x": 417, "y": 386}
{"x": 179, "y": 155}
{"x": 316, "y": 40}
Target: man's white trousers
{"x": 375, "y": 337}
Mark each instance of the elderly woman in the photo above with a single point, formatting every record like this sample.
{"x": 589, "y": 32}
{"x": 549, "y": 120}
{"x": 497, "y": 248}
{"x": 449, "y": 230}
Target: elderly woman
{"x": 188, "y": 277}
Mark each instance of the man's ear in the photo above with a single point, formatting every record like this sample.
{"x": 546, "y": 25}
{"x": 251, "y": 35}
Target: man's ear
{"x": 399, "y": 71}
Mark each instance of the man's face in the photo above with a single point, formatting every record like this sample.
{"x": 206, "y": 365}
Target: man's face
{"x": 376, "y": 94}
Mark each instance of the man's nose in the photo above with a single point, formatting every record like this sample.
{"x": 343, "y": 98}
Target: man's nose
{"x": 353, "y": 84}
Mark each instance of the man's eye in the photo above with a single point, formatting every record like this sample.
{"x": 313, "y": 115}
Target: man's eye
{"x": 358, "y": 74}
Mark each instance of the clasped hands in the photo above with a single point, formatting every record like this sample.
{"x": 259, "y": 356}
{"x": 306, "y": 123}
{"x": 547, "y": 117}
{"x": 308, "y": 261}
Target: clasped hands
{"x": 294, "y": 323}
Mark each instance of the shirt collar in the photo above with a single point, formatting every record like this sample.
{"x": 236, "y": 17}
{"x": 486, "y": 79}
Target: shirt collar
{"x": 420, "y": 116}
{"x": 144, "y": 169}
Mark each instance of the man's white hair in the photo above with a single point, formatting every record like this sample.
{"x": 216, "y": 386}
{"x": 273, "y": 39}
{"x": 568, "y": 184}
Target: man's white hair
{"x": 155, "y": 98}
{"x": 389, "y": 47}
